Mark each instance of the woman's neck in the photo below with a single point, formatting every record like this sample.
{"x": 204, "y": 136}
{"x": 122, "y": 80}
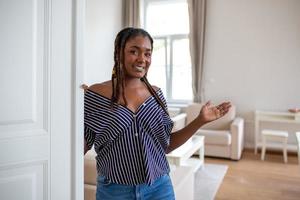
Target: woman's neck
{"x": 132, "y": 83}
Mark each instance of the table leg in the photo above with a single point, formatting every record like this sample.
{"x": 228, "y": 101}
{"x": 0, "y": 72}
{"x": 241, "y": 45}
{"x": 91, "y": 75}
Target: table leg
{"x": 201, "y": 154}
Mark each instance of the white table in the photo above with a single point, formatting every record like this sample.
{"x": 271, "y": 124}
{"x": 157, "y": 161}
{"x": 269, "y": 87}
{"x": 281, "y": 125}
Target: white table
{"x": 182, "y": 156}
{"x": 276, "y": 117}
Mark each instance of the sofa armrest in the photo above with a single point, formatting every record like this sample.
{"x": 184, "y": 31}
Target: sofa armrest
{"x": 179, "y": 121}
{"x": 237, "y": 138}
{"x": 90, "y": 171}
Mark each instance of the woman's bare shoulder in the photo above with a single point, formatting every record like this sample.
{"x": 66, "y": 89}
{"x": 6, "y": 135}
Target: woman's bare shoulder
{"x": 104, "y": 88}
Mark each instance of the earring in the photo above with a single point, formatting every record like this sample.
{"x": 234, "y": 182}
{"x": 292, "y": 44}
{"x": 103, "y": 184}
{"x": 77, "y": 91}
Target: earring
{"x": 113, "y": 72}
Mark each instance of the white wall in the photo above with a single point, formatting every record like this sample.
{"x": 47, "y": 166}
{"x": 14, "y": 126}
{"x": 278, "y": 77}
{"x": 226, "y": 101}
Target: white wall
{"x": 103, "y": 22}
{"x": 252, "y": 55}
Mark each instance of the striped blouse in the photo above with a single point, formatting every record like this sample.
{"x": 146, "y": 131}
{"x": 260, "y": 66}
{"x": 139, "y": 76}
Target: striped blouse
{"x": 130, "y": 146}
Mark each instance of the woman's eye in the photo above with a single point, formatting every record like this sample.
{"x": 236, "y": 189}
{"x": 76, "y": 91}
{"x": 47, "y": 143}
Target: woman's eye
{"x": 134, "y": 52}
{"x": 148, "y": 55}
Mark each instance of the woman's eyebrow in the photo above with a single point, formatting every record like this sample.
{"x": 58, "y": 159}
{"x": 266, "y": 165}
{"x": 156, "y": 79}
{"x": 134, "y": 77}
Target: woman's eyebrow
{"x": 137, "y": 47}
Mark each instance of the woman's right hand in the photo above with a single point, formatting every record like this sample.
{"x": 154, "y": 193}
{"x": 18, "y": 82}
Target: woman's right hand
{"x": 209, "y": 112}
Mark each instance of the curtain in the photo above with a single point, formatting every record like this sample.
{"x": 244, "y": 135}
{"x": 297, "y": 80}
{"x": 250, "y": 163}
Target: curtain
{"x": 197, "y": 13}
{"x": 132, "y": 13}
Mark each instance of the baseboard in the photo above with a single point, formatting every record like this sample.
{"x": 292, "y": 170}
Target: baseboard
{"x": 269, "y": 150}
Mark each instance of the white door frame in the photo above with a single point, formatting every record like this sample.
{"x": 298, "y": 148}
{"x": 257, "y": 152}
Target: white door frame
{"x": 77, "y": 182}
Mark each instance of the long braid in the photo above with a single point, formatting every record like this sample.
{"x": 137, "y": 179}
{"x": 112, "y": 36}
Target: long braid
{"x": 118, "y": 83}
{"x": 113, "y": 79}
{"x": 121, "y": 75}
{"x": 152, "y": 91}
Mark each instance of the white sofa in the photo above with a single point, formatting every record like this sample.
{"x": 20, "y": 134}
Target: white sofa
{"x": 90, "y": 175}
{"x": 223, "y": 137}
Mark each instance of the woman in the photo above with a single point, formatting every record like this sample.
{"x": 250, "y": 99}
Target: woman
{"x": 126, "y": 120}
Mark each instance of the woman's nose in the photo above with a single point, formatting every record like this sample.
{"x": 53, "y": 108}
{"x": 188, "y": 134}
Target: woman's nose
{"x": 141, "y": 58}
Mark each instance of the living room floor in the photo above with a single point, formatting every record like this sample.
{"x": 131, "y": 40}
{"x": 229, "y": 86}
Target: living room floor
{"x": 253, "y": 179}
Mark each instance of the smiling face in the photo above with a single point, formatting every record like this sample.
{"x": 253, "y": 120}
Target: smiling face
{"x": 137, "y": 57}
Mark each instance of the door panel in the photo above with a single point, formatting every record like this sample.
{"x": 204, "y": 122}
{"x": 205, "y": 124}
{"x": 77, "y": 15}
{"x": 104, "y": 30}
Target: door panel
{"x": 28, "y": 180}
{"x": 24, "y": 67}
{"x": 35, "y": 109}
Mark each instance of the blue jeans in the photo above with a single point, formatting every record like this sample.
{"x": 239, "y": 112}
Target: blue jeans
{"x": 161, "y": 189}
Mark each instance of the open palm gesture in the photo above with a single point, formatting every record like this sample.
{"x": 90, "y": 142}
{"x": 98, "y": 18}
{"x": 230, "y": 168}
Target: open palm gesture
{"x": 210, "y": 112}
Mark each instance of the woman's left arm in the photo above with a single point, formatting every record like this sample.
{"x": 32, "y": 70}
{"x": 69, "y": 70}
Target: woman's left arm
{"x": 207, "y": 114}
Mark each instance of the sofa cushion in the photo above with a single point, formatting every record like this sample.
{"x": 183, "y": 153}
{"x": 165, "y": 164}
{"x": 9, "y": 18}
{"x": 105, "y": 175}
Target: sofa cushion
{"x": 221, "y": 124}
{"x": 214, "y": 137}
{"x": 90, "y": 171}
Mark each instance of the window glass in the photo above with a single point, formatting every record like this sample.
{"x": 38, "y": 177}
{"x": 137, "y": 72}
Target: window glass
{"x": 168, "y": 22}
{"x": 157, "y": 71}
{"x": 181, "y": 76}
{"x": 163, "y": 18}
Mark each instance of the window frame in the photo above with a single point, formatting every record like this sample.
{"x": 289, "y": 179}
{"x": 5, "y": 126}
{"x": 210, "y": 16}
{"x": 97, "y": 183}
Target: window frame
{"x": 168, "y": 39}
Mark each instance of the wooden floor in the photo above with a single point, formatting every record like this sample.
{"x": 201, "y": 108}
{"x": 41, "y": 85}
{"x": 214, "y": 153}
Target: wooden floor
{"x": 253, "y": 179}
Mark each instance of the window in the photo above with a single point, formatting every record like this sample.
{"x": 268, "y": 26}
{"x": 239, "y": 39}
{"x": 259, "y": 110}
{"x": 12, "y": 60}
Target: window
{"x": 168, "y": 22}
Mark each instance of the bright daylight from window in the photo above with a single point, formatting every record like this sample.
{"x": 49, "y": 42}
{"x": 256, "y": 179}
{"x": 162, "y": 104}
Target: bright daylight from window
{"x": 168, "y": 23}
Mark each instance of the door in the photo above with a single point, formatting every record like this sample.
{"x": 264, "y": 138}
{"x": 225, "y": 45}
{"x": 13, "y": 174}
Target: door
{"x": 37, "y": 105}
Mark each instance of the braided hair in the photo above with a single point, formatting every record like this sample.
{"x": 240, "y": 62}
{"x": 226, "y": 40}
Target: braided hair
{"x": 117, "y": 78}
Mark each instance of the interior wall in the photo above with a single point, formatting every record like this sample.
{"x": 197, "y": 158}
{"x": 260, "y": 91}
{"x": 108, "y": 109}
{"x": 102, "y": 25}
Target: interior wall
{"x": 103, "y": 22}
{"x": 252, "y": 56}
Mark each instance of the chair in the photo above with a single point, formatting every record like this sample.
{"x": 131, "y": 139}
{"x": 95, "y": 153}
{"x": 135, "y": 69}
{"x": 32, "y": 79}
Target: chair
{"x": 277, "y": 136}
{"x": 223, "y": 137}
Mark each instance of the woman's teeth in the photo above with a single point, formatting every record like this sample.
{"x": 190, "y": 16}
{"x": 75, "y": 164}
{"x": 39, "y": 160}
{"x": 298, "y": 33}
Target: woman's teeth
{"x": 140, "y": 69}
